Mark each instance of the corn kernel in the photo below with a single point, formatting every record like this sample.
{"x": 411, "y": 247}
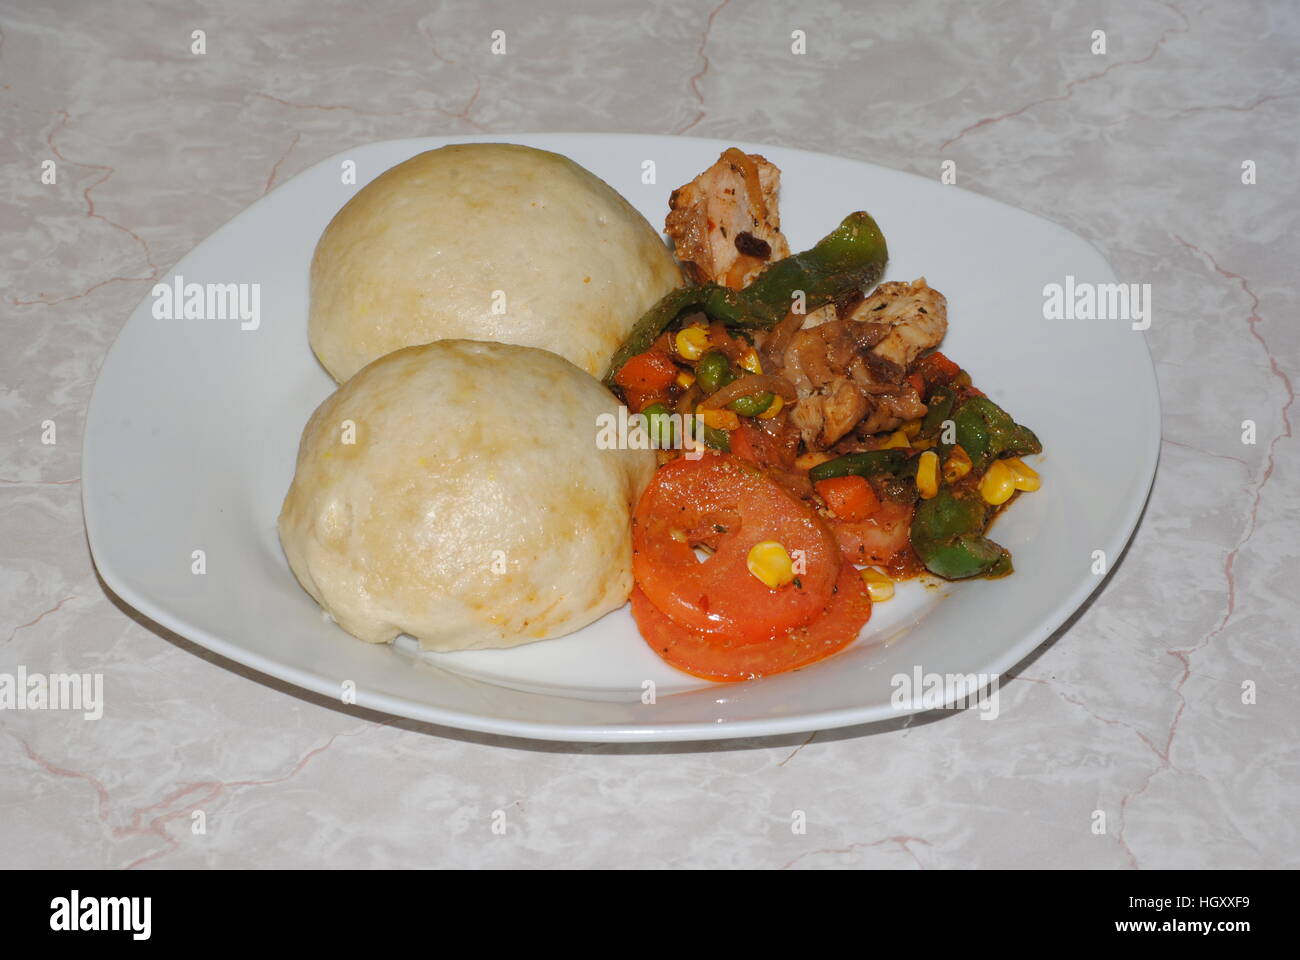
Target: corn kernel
{"x": 773, "y": 409}
{"x": 685, "y": 378}
{"x": 719, "y": 418}
{"x": 927, "y": 474}
{"x": 691, "y": 342}
{"x": 809, "y": 460}
{"x": 770, "y": 562}
{"x": 749, "y": 360}
{"x": 911, "y": 429}
{"x": 896, "y": 439}
{"x": 1027, "y": 478}
{"x": 957, "y": 465}
{"x": 879, "y": 586}
{"x": 998, "y": 483}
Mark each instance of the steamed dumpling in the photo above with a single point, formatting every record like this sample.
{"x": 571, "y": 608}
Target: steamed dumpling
{"x": 485, "y": 241}
{"x": 473, "y": 507}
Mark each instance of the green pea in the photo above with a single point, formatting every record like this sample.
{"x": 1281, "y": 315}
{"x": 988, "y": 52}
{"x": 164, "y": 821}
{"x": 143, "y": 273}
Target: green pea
{"x": 713, "y": 372}
{"x": 695, "y": 427}
{"x": 660, "y": 424}
{"x": 751, "y": 406}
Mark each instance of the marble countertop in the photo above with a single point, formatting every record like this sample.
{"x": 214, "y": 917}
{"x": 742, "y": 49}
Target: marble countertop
{"x": 1136, "y": 711}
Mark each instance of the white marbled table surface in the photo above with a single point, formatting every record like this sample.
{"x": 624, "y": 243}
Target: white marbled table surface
{"x": 1136, "y": 710}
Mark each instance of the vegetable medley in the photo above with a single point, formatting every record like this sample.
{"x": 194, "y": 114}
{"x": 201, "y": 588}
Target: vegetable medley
{"x": 841, "y": 451}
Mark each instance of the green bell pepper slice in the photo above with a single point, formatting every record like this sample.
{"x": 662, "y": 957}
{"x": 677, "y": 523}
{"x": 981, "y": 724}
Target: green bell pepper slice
{"x": 873, "y": 463}
{"x": 848, "y": 259}
{"x": 947, "y": 534}
{"x": 986, "y": 432}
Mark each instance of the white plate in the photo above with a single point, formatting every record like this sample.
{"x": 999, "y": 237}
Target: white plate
{"x": 194, "y": 424}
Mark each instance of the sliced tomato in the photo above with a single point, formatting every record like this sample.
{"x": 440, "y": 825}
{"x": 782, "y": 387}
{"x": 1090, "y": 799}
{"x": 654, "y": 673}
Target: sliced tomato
{"x": 876, "y": 539}
{"x": 728, "y": 505}
{"x": 743, "y": 445}
{"x": 714, "y": 656}
{"x": 761, "y": 446}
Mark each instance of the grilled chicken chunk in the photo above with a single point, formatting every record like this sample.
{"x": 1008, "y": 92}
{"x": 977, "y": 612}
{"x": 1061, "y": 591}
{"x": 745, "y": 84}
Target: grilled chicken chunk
{"x": 916, "y": 315}
{"x": 850, "y": 372}
{"x": 724, "y": 224}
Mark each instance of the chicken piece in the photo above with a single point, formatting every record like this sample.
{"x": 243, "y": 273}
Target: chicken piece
{"x": 830, "y": 403}
{"x": 850, "y": 372}
{"x": 819, "y": 316}
{"x": 916, "y": 315}
{"x": 724, "y": 224}
{"x": 890, "y": 411}
{"x": 833, "y": 412}
{"x": 842, "y": 407}
{"x": 828, "y": 351}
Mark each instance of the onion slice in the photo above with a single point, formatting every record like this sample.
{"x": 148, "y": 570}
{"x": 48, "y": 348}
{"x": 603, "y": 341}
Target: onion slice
{"x": 748, "y": 386}
{"x": 778, "y": 339}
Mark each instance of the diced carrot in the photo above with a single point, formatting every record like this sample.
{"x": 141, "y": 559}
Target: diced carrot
{"x": 850, "y": 498}
{"x": 647, "y": 372}
{"x": 638, "y": 400}
{"x": 936, "y": 368}
{"x": 917, "y": 381}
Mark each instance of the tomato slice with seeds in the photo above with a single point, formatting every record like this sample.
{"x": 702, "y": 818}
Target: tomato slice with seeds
{"x": 713, "y": 656}
{"x": 726, "y": 505}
